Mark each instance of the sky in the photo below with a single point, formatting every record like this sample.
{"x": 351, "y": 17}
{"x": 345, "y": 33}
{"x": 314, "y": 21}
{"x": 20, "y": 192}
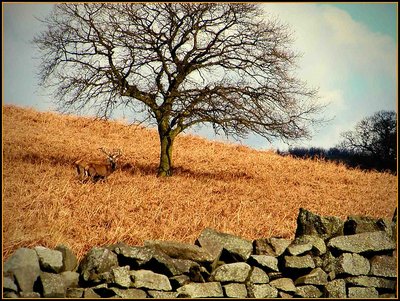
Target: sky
{"x": 349, "y": 52}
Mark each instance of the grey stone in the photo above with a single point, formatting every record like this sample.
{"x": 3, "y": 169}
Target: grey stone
{"x": 263, "y": 246}
{"x": 267, "y": 263}
{"x": 104, "y": 277}
{"x": 162, "y": 263}
{"x": 103, "y": 290}
{"x": 198, "y": 273}
{"x": 121, "y": 276}
{"x": 53, "y": 285}
{"x": 70, "y": 262}
{"x": 299, "y": 262}
{"x": 70, "y": 279}
{"x": 75, "y": 292}
{"x": 201, "y": 290}
{"x": 271, "y": 246}
{"x": 309, "y": 223}
{"x": 317, "y": 277}
{"x": 385, "y": 266}
{"x": 360, "y": 224}
{"x": 274, "y": 275}
{"x": 215, "y": 242}
{"x": 394, "y": 226}
{"x": 299, "y": 248}
{"x": 184, "y": 265}
{"x": 331, "y": 275}
{"x": 8, "y": 284}
{"x": 329, "y": 262}
{"x": 363, "y": 292}
{"x": 30, "y": 295}
{"x": 258, "y": 276}
{"x": 131, "y": 293}
{"x": 308, "y": 291}
{"x": 9, "y": 294}
{"x": 162, "y": 295}
{"x": 181, "y": 250}
{"x": 178, "y": 281}
{"x": 363, "y": 242}
{"x": 49, "y": 260}
{"x": 235, "y": 290}
{"x": 262, "y": 291}
{"x": 134, "y": 256}
{"x": 352, "y": 264}
{"x": 232, "y": 272}
{"x": 318, "y": 244}
{"x": 318, "y": 261}
{"x": 372, "y": 282}
{"x": 90, "y": 293}
{"x": 97, "y": 261}
{"x": 148, "y": 258}
{"x": 284, "y": 295}
{"x": 283, "y": 284}
{"x": 150, "y": 280}
{"x": 335, "y": 289}
{"x": 100, "y": 286}
{"x": 280, "y": 245}
{"x": 24, "y": 266}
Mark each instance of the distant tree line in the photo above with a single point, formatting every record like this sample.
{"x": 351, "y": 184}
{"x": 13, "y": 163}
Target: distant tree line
{"x": 372, "y": 145}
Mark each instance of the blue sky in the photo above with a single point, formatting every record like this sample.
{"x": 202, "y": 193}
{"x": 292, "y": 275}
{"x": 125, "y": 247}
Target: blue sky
{"x": 349, "y": 52}
{"x": 378, "y": 17}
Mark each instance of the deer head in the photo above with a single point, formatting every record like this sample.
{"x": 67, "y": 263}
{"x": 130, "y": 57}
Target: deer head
{"x": 111, "y": 156}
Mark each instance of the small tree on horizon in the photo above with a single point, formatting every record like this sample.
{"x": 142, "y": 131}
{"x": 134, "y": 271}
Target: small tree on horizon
{"x": 181, "y": 65}
{"x": 374, "y": 136}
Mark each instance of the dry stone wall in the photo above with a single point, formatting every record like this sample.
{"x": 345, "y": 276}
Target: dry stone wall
{"x": 329, "y": 257}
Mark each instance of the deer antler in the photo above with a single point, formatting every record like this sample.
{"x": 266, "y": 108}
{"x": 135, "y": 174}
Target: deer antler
{"x": 118, "y": 152}
{"x": 104, "y": 151}
{"x": 115, "y": 153}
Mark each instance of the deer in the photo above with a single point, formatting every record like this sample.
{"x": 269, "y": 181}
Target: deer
{"x": 97, "y": 170}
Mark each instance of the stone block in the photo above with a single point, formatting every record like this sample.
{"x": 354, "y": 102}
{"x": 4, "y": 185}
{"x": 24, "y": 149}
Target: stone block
{"x": 201, "y": 290}
{"x": 363, "y": 242}
{"x": 352, "y": 264}
{"x": 24, "y": 266}
{"x": 150, "y": 280}
{"x": 362, "y": 292}
{"x": 235, "y": 290}
{"x": 231, "y": 272}
{"x": 335, "y": 289}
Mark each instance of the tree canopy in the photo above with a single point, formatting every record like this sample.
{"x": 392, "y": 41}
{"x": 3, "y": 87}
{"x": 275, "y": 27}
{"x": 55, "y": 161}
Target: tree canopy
{"x": 178, "y": 64}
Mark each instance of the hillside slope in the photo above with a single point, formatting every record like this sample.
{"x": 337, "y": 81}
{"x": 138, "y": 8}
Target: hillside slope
{"x": 228, "y": 187}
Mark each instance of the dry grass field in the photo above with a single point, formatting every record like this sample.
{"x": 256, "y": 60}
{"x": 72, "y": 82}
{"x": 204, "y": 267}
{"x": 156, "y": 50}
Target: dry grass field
{"x": 228, "y": 187}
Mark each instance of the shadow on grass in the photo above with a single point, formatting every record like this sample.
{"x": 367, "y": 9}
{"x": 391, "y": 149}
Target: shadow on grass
{"x": 149, "y": 169}
{"x": 34, "y": 158}
{"x": 180, "y": 171}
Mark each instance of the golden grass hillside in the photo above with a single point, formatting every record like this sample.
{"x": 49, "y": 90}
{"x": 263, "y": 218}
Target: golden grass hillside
{"x": 227, "y": 187}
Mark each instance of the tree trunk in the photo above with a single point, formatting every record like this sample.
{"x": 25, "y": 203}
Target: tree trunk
{"x": 165, "y": 168}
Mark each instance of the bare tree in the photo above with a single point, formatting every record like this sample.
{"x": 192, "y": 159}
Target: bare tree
{"x": 179, "y": 64}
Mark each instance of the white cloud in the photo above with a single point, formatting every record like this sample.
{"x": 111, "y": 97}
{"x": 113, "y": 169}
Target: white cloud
{"x": 335, "y": 45}
{"x": 354, "y": 68}
{"x": 361, "y": 49}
